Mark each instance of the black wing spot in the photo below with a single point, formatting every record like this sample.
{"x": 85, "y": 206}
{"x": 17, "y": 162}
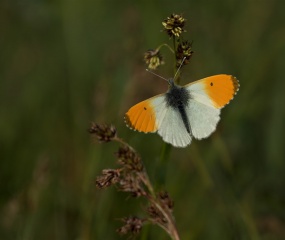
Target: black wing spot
{"x": 211, "y": 84}
{"x": 144, "y": 108}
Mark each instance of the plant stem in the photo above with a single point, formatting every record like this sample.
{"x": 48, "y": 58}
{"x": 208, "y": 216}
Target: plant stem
{"x": 165, "y": 153}
{"x": 166, "y": 45}
{"x": 166, "y": 148}
{"x": 171, "y": 227}
{"x": 161, "y": 165}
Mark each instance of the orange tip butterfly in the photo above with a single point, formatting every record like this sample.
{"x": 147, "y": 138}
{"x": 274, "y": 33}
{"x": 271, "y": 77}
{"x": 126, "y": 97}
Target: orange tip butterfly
{"x": 184, "y": 112}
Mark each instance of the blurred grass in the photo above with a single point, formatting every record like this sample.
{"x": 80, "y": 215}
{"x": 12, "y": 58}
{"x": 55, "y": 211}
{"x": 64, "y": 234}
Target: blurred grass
{"x": 65, "y": 64}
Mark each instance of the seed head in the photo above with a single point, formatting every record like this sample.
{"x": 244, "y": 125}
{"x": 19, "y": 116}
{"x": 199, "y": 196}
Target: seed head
{"x": 132, "y": 225}
{"x": 165, "y": 200}
{"x": 174, "y": 24}
{"x": 129, "y": 159}
{"x": 108, "y": 177}
{"x": 156, "y": 215}
{"x": 184, "y": 49}
{"x": 153, "y": 58}
{"x": 103, "y": 132}
{"x": 132, "y": 184}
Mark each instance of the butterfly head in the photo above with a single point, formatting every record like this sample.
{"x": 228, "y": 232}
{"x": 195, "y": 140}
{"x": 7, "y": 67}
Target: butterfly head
{"x": 171, "y": 82}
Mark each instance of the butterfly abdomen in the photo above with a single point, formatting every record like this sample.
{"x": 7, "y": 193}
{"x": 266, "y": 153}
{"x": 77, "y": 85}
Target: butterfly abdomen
{"x": 178, "y": 98}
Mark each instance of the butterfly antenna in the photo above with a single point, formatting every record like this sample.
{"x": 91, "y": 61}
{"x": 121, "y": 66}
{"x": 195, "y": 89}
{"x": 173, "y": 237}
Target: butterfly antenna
{"x": 179, "y": 68}
{"x": 157, "y": 75}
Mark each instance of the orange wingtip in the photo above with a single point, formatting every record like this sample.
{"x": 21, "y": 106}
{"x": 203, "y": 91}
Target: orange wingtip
{"x": 141, "y": 117}
{"x": 221, "y": 88}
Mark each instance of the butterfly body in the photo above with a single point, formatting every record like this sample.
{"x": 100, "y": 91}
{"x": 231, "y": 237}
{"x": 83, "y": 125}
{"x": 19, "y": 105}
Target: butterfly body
{"x": 184, "y": 112}
{"x": 177, "y": 98}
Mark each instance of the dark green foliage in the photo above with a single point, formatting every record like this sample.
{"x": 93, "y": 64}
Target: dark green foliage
{"x": 65, "y": 64}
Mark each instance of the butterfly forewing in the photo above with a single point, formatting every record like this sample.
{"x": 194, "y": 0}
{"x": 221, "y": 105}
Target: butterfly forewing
{"x": 143, "y": 116}
{"x": 216, "y": 90}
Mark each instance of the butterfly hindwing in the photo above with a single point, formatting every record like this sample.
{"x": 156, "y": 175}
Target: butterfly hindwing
{"x": 203, "y": 118}
{"x": 172, "y": 129}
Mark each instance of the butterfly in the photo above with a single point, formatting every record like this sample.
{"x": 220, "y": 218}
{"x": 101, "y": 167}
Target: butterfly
{"x": 184, "y": 112}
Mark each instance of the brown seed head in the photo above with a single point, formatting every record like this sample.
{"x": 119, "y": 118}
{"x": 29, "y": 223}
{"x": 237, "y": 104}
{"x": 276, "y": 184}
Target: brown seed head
{"x": 153, "y": 59}
{"x": 174, "y": 24}
{"x": 184, "y": 50}
{"x": 129, "y": 159}
{"x": 132, "y": 225}
{"x": 108, "y": 177}
{"x": 156, "y": 215}
{"x": 132, "y": 184}
{"x": 103, "y": 132}
{"x": 165, "y": 200}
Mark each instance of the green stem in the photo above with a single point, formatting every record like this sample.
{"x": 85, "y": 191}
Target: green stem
{"x": 175, "y": 62}
{"x": 161, "y": 167}
{"x": 165, "y": 153}
{"x": 166, "y": 148}
{"x": 174, "y": 47}
{"x": 166, "y": 45}
{"x": 145, "y": 233}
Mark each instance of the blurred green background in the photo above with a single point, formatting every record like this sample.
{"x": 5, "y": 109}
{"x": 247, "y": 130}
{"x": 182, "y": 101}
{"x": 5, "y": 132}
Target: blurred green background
{"x": 67, "y": 63}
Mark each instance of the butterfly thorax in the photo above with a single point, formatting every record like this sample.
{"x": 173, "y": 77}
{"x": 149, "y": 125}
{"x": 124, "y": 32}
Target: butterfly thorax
{"x": 177, "y": 97}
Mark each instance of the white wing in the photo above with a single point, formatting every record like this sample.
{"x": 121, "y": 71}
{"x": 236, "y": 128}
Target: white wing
{"x": 170, "y": 125}
{"x": 202, "y": 113}
{"x": 203, "y": 118}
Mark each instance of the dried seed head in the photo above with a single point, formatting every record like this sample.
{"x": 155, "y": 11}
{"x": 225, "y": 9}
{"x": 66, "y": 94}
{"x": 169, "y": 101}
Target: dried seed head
{"x": 108, "y": 177}
{"x": 132, "y": 225}
{"x": 132, "y": 184}
{"x": 156, "y": 215}
{"x": 184, "y": 50}
{"x": 103, "y": 132}
{"x": 129, "y": 159}
{"x": 174, "y": 24}
{"x": 153, "y": 59}
{"x": 165, "y": 200}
